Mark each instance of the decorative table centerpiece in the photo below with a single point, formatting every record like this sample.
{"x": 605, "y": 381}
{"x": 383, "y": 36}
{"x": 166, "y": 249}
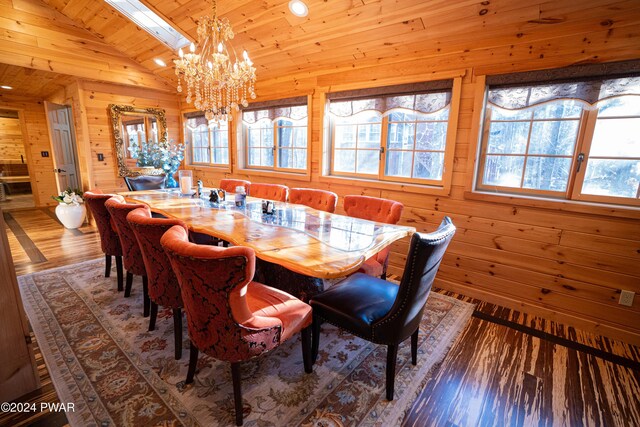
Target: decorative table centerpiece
{"x": 71, "y": 210}
{"x": 166, "y": 156}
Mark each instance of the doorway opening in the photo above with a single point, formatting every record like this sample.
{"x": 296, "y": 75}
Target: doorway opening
{"x": 15, "y": 176}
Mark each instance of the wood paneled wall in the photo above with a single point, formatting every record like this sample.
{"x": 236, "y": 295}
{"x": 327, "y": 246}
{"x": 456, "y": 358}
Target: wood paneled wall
{"x": 565, "y": 261}
{"x": 91, "y": 101}
{"x": 34, "y": 131}
{"x": 11, "y": 142}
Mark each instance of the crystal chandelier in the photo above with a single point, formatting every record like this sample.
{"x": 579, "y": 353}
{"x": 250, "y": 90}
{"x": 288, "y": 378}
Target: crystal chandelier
{"x": 216, "y": 82}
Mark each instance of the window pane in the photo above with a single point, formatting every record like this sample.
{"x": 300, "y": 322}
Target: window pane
{"x": 617, "y": 178}
{"x": 220, "y": 156}
{"x": 622, "y": 106}
{"x": 300, "y": 137}
{"x": 299, "y": 158}
{"x": 345, "y": 136}
{"x": 508, "y": 137}
{"x": 285, "y": 136}
{"x": 505, "y": 171}
{"x": 292, "y": 158}
{"x": 369, "y": 135}
{"x": 553, "y": 137}
{"x": 616, "y": 138}
{"x": 401, "y": 136}
{"x": 558, "y": 110}
{"x": 502, "y": 114}
{"x": 399, "y": 163}
{"x": 428, "y": 165}
{"x": 431, "y": 136}
{"x": 547, "y": 173}
{"x": 368, "y": 161}
{"x": 201, "y": 155}
{"x": 254, "y": 138}
{"x": 261, "y": 157}
{"x": 345, "y": 161}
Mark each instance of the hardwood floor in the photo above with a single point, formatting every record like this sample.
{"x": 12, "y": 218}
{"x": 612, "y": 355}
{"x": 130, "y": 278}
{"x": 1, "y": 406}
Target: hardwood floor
{"x": 507, "y": 368}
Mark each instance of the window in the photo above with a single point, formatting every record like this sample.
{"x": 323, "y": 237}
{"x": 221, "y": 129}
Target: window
{"x": 209, "y": 141}
{"x": 573, "y": 140}
{"x": 275, "y": 137}
{"x": 387, "y": 135}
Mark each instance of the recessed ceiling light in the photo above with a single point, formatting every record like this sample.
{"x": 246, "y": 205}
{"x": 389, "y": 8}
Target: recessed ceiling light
{"x": 160, "y": 62}
{"x": 298, "y": 8}
{"x": 6, "y": 87}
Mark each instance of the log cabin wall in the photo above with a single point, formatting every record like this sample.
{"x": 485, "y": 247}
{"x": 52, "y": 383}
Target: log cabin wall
{"x": 565, "y": 261}
{"x": 34, "y": 131}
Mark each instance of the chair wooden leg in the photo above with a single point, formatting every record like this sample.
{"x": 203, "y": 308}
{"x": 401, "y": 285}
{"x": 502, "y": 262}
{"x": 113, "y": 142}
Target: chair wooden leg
{"x": 392, "y": 353}
{"x": 127, "y": 289}
{"x": 146, "y": 302}
{"x": 414, "y": 347}
{"x": 237, "y": 391}
{"x": 315, "y": 338}
{"x": 306, "y": 349}
{"x": 193, "y": 362}
{"x": 177, "y": 332}
{"x": 119, "y": 272}
{"x": 154, "y": 316}
{"x": 107, "y": 265}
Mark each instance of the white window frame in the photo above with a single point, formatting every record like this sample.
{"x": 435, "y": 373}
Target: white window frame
{"x": 212, "y": 129}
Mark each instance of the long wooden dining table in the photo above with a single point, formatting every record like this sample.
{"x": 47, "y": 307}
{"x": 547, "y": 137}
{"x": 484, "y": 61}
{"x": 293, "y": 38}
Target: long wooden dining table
{"x": 304, "y": 240}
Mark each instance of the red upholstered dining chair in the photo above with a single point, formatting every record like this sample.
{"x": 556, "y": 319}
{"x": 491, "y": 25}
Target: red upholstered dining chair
{"x": 379, "y": 210}
{"x": 229, "y": 316}
{"x": 383, "y": 312}
{"x": 275, "y": 192}
{"x": 131, "y": 254}
{"x": 229, "y": 185}
{"x": 322, "y": 200}
{"x": 109, "y": 240}
{"x": 164, "y": 289}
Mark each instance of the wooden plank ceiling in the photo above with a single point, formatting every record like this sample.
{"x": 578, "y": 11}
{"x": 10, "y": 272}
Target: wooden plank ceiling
{"x": 339, "y": 35}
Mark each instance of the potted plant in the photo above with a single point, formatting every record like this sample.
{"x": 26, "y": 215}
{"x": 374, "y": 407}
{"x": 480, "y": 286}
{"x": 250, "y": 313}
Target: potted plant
{"x": 71, "y": 210}
{"x": 166, "y": 156}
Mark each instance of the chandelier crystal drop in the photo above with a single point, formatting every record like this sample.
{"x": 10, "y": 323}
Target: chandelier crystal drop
{"x": 216, "y": 81}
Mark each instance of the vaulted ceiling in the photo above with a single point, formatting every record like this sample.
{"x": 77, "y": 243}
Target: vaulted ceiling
{"x": 43, "y": 40}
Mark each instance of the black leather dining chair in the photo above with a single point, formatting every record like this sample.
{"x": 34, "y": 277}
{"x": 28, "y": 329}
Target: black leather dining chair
{"x": 144, "y": 182}
{"x": 383, "y": 312}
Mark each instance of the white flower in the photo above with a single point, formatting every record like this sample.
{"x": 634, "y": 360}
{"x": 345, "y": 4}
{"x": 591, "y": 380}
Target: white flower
{"x": 67, "y": 199}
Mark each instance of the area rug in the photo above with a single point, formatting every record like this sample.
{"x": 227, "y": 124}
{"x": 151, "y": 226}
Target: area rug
{"x": 103, "y": 359}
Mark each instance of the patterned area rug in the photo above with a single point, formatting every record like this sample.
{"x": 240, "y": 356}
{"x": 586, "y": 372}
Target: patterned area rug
{"x": 103, "y": 359}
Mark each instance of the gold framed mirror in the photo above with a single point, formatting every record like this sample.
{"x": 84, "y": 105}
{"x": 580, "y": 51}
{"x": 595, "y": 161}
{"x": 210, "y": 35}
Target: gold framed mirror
{"x": 136, "y": 127}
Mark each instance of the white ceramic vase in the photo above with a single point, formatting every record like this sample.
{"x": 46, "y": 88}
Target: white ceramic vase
{"x": 71, "y": 216}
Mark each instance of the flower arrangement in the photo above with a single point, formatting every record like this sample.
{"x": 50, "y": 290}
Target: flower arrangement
{"x": 69, "y": 197}
{"x": 166, "y": 156}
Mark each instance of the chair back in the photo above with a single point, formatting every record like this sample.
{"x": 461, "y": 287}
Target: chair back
{"x": 276, "y": 192}
{"x": 131, "y": 254}
{"x": 213, "y": 282}
{"x": 229, "y": 185}
{"x": 144, "y": 182}
{"x": 373, "y": 208}
{"x": 163, "y": 284}
{"x": 425, "y": 254}
{"x": 109, "y": 240}
{"x": 322, "y": 200}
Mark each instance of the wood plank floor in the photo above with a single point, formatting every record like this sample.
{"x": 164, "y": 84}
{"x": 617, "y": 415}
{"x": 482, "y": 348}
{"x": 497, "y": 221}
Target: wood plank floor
{"x": 507, "y": 368}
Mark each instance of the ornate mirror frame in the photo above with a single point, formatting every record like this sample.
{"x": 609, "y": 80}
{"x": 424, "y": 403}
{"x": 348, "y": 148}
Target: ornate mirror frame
{"x": 116, "y": 112}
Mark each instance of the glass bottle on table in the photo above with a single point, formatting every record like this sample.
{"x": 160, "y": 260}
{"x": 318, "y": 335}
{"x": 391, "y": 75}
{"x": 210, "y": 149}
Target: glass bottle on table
{"x": 241, "y": 196}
